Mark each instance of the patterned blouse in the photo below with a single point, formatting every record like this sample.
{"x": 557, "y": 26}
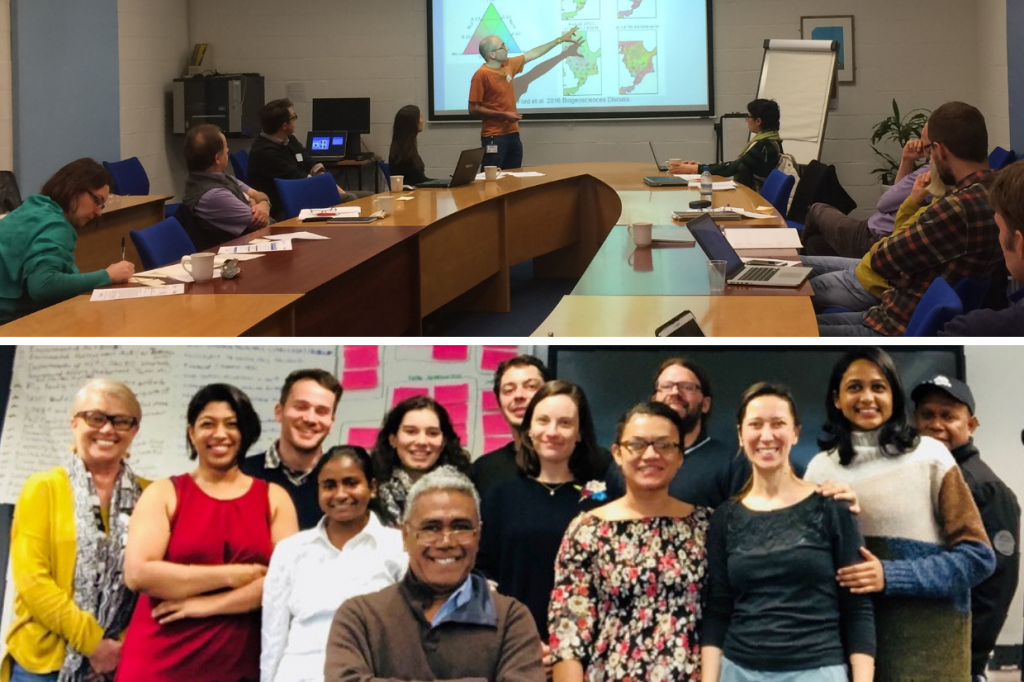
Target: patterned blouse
{"x": 627, "y": 597}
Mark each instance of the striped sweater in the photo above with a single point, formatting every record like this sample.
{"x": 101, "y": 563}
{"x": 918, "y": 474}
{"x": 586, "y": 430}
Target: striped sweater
{"x": 919, "y": 518}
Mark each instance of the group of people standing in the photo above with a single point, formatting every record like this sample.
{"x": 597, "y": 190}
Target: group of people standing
{"x": 671, "y": 556}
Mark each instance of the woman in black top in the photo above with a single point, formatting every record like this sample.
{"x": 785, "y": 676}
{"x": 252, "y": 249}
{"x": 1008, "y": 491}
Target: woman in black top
{"x": 774, "y": 605}
{"x": 404, "y": 159}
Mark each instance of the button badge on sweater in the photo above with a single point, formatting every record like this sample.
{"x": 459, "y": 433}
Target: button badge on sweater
{"x": 508, "y": 79}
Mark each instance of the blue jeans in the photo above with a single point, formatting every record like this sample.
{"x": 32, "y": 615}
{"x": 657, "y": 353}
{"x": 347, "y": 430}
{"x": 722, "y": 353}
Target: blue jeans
{"x": 834, "y": 282}
{"x": 19, "y": 674}
{"x": 733, "y": 672}
{"x": 844, "y": 324}
{"x": 510, "y": 151}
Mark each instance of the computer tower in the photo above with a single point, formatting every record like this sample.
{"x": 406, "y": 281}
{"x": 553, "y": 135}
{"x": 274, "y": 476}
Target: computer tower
{"x": 232, "y": 102}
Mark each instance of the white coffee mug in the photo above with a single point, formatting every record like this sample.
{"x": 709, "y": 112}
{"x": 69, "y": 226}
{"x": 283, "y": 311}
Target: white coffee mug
{"x": 641, "y": 233}
{"x": 491, "y": 172}
{"x": 384, "y": 203}
{"x": 397, "y": 183}
{"x": 674, "y": 161}
{"x": 201, "y": 264}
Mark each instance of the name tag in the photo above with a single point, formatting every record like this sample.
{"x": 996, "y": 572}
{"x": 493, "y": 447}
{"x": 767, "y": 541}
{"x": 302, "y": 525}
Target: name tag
{"x": 491, "y": 149}
{"x": 508, "y": 79}
{"x": 298, "y": 157}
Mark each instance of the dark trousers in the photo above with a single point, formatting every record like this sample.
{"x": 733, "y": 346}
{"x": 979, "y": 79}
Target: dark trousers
{"x": 829, "y": 232}
{"x": 510, "y": 151}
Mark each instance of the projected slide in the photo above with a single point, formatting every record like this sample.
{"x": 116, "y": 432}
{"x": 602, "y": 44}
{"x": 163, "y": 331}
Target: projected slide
{"x": 630, "y": 58}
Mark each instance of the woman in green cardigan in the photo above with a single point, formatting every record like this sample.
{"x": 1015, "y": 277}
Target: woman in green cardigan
{"x": 759, "y": 158}
{"x": 37, "y": 242}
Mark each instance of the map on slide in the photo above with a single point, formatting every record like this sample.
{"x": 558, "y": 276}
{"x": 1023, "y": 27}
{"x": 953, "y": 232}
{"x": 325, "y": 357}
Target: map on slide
{"x": 637, "y": 75}
{"x": 581, "y": 9}
{"x": 491, "y": 24}
{"x": 637, "y": 9}
{"x": 579, "y": 74}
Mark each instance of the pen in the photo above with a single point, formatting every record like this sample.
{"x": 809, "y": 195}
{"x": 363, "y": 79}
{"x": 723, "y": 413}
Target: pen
{"x": 122, "y": 248}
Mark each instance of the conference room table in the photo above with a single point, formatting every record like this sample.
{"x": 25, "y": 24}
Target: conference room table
{"x": 440, "y": 247}
{"x": 99, "y": 242}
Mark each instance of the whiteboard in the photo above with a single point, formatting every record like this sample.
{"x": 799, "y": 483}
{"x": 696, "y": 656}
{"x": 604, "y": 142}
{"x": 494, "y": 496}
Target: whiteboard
{"x": 37, "y": 434}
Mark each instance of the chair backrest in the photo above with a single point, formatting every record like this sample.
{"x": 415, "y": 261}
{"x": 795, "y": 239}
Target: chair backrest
{"x": 162, "y": 243}
{"x": 10, "y": 195}
{"x": 776, "y": 190}
{"x": 385, "y": 168}
{"x": 1001, "y": 158}
{"x": 130, "y": 177}
{"x": 240, "y": 164}
{"x": 789, "y": 166}
{"x": 939, "y": 305}
{"x": 319, "y": 191}
{"x": 972, "y": 292}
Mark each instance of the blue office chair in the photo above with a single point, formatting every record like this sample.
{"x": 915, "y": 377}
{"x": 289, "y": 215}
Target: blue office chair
{"x": 319, "y": 191}
{"x": 163, "y": 243}
{"x": 799, "y": 227}
{"x": 939, "y": 305}
{"x": 972, "y": 292}
{"x": 1001, "y": 158}
{"x": 385, "y": 168}
{"x": 776, "y": 190}
{"x": 240, "y": 164}
{"x": 130, "y": 177}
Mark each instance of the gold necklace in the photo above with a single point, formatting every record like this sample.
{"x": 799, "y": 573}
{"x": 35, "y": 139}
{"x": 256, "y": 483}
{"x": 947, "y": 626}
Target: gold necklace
{"x": 551, "y": 488}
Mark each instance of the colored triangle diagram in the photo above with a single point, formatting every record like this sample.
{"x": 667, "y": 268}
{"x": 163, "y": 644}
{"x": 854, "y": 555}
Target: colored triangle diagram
{"x": 491, "y": 25}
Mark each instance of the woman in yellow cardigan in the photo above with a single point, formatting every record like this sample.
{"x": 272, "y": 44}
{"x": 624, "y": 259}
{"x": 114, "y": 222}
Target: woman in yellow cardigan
{"x": 67, "y": 548}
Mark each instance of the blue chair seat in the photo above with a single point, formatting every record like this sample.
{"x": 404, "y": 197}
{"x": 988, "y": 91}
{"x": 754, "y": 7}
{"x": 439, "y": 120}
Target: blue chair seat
{"x": 163, "y": 243}
{"x": 972, "y": 292}
{"x": 776, "y": 190}
{"x": 240, "y": 164}
{"x": 939, "y": 305}
{"x": 319, "y": 191}
{"x": 1001, "y": 158}
{"x": 799, "y": 227}
{"x": 129, "y": 176}
{"x": 385, "y": 168}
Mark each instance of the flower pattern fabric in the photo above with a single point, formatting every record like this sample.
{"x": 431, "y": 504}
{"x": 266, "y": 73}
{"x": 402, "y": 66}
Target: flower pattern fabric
{"x": 627, "y": 597}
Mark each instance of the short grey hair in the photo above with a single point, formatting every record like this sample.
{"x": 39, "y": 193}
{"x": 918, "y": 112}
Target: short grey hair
{"x": 444, "y": 478}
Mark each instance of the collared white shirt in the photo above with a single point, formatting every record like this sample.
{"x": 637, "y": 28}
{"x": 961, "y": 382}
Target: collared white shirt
{"x": 308, "y": 579}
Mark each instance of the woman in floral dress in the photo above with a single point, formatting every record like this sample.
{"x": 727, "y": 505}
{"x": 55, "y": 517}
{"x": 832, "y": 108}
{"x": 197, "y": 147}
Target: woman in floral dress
{"x": 629, "y": 575}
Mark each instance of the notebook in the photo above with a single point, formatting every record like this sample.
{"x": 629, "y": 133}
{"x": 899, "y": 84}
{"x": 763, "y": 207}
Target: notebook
{"x": 717, "y": 247}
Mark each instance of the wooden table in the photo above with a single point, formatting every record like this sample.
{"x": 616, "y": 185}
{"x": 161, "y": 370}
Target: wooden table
{"x": 99, "y": 242}
{"x": 359, "y": 166}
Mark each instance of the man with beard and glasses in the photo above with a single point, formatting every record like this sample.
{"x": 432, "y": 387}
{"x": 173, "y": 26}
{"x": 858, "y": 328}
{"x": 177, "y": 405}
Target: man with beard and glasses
{"x": 309, "y": 401}
{"x": 443, "y": 621}
{"x": 956, "y": 238}
{"x": 944, "y": 409}
{"x": 712, "y": 471}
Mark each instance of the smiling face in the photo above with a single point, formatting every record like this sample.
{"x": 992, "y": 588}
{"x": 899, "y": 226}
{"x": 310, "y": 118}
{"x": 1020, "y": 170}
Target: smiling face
{"x": 438, "y": 557}
{"x": 768, "y": 433}
{"x": 555, "y": 429}
{"x": 680, "y": 389}
{"x": 647, "y": 468}
{"x": 419, "y": 441}
{"x": 945, "y": 419}
{"x": 215, "y": 436}
{"x": 306, "y": 417}
{"x": 516, "y": 389}
{"x": 344, "y": 493}
{"x": 101, "y": 446}
{"x": 865, "y": 397}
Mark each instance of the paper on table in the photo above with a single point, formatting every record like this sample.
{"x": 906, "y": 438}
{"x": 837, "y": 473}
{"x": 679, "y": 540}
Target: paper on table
{"x": 296, "y": 235}
{"x": 761, "y": 238}
{"x": 405, "y": 198}
{"x": 136, "y": 292}
{"x": 689, "y": 177}
{"x": 283, "y": 245}
{"x": 722, "y": 186}
{"x": 525, "y": 174}
{"x": 177, "y": 272}
{"x": 747, "y": 214}
{"x": 483, "y": 176}
{"x": 307, "y": 213}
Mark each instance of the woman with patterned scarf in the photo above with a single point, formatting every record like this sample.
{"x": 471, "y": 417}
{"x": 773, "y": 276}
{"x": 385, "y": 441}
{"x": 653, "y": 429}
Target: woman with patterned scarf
{"x": 71, "y": 605}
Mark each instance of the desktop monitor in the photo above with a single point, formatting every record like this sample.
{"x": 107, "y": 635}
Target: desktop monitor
{"x": 343, "y": 113}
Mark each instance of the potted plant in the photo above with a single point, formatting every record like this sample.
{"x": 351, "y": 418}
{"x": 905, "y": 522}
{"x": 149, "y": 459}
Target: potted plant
{"x": 898, "y": 129}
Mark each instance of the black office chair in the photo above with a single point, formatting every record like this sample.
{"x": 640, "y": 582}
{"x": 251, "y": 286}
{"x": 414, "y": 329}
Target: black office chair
{"x": 10, "y": 196}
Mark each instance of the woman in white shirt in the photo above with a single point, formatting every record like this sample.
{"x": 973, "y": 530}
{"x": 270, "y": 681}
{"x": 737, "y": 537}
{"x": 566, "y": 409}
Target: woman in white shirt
{"x": 347, "y": 554}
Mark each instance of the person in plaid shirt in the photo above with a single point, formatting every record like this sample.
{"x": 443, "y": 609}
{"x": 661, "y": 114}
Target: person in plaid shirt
{"x": 957, "y": 237}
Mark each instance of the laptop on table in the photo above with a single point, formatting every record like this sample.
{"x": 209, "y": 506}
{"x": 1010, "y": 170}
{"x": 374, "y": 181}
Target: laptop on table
{"x": 465, "y": 170}
{"x": 717, "y": 247}
{"x": 662, "y": 167}
{"x": 326, "y": 146}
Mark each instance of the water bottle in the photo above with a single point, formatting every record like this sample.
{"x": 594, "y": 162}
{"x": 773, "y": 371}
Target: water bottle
{"x": 705, "y": 185}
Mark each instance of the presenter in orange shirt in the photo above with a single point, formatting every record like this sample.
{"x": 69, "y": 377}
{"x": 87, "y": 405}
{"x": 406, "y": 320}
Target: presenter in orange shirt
{"x": 492, "y": 98}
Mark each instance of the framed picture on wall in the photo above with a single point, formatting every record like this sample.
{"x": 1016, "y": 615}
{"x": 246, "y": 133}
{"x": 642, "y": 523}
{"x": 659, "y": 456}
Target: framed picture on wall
{"x": 839, "y": 28}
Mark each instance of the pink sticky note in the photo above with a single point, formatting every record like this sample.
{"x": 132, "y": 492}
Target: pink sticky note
{"x": 451, "y": 353}
{"x": 458, "y": 412}
{"x": 363, "y": 436}
{"x": 495, "y": 425}
{"x": 492, "y": 443}
{"x": 491, "y": 345}
{"x": 359, "y": 379}
{"x": 451, "y": 394}
{"x": 460, "y": 430}
{"x": 406, "y": 392}
{"x": 362, "y": 357}
{"x": 489, "y": 401}
{"x": 492, "y": 357}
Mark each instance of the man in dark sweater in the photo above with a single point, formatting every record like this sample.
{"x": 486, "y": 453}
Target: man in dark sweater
{"x": 712, "y": 471}
{"x": 309, "y": 401}
{"x": 442, "y": 622}
{"x": 944, "y": 410}
{"x": 277, "y": 153}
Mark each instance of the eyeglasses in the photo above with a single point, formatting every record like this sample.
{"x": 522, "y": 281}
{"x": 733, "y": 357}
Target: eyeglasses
{"x": 662, "y": 446}
{"x": 96, "y": 200}
{"x": 681, "y": 386}
{"x": 433, "y": 534}
{"x": 120, "y": 422}
{"x": 293, "y": 118}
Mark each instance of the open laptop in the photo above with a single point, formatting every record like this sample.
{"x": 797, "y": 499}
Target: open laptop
{"x": 717, "y": 247}
{"x": 326, "y": 146}
{"x": 662, "y": 167}
{"x": 465, "y": 170}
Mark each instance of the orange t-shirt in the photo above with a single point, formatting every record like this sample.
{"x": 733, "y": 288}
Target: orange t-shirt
{"x": 493, "y": 89}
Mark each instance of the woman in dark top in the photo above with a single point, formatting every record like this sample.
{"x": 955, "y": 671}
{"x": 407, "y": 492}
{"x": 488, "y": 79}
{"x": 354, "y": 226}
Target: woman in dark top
{"x": 404, "y": 158}
{"x": 774, "y": 607}
{"x": 525, "y": 517}
{"x": 759, "y": 158}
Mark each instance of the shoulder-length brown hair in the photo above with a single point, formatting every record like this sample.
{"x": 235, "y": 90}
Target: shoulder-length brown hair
{"x": 583, "y": 461}
{"x": 81, "y": 175}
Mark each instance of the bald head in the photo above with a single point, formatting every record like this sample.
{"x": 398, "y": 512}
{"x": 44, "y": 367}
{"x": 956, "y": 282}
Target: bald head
{"x": 489, "y": 45}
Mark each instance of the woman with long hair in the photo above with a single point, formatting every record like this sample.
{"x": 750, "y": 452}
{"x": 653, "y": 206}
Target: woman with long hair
{"x": 404, "y": 157}
{"x": 348, "y": 553}
{"x": 416, "y": 437}
{"x": 774, "y": 607}
{"x": 629, "y": 575}
{"x": 926, "y": 545}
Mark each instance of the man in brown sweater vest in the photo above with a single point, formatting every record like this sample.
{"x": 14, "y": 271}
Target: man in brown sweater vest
{"x": 442, "y": 622}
